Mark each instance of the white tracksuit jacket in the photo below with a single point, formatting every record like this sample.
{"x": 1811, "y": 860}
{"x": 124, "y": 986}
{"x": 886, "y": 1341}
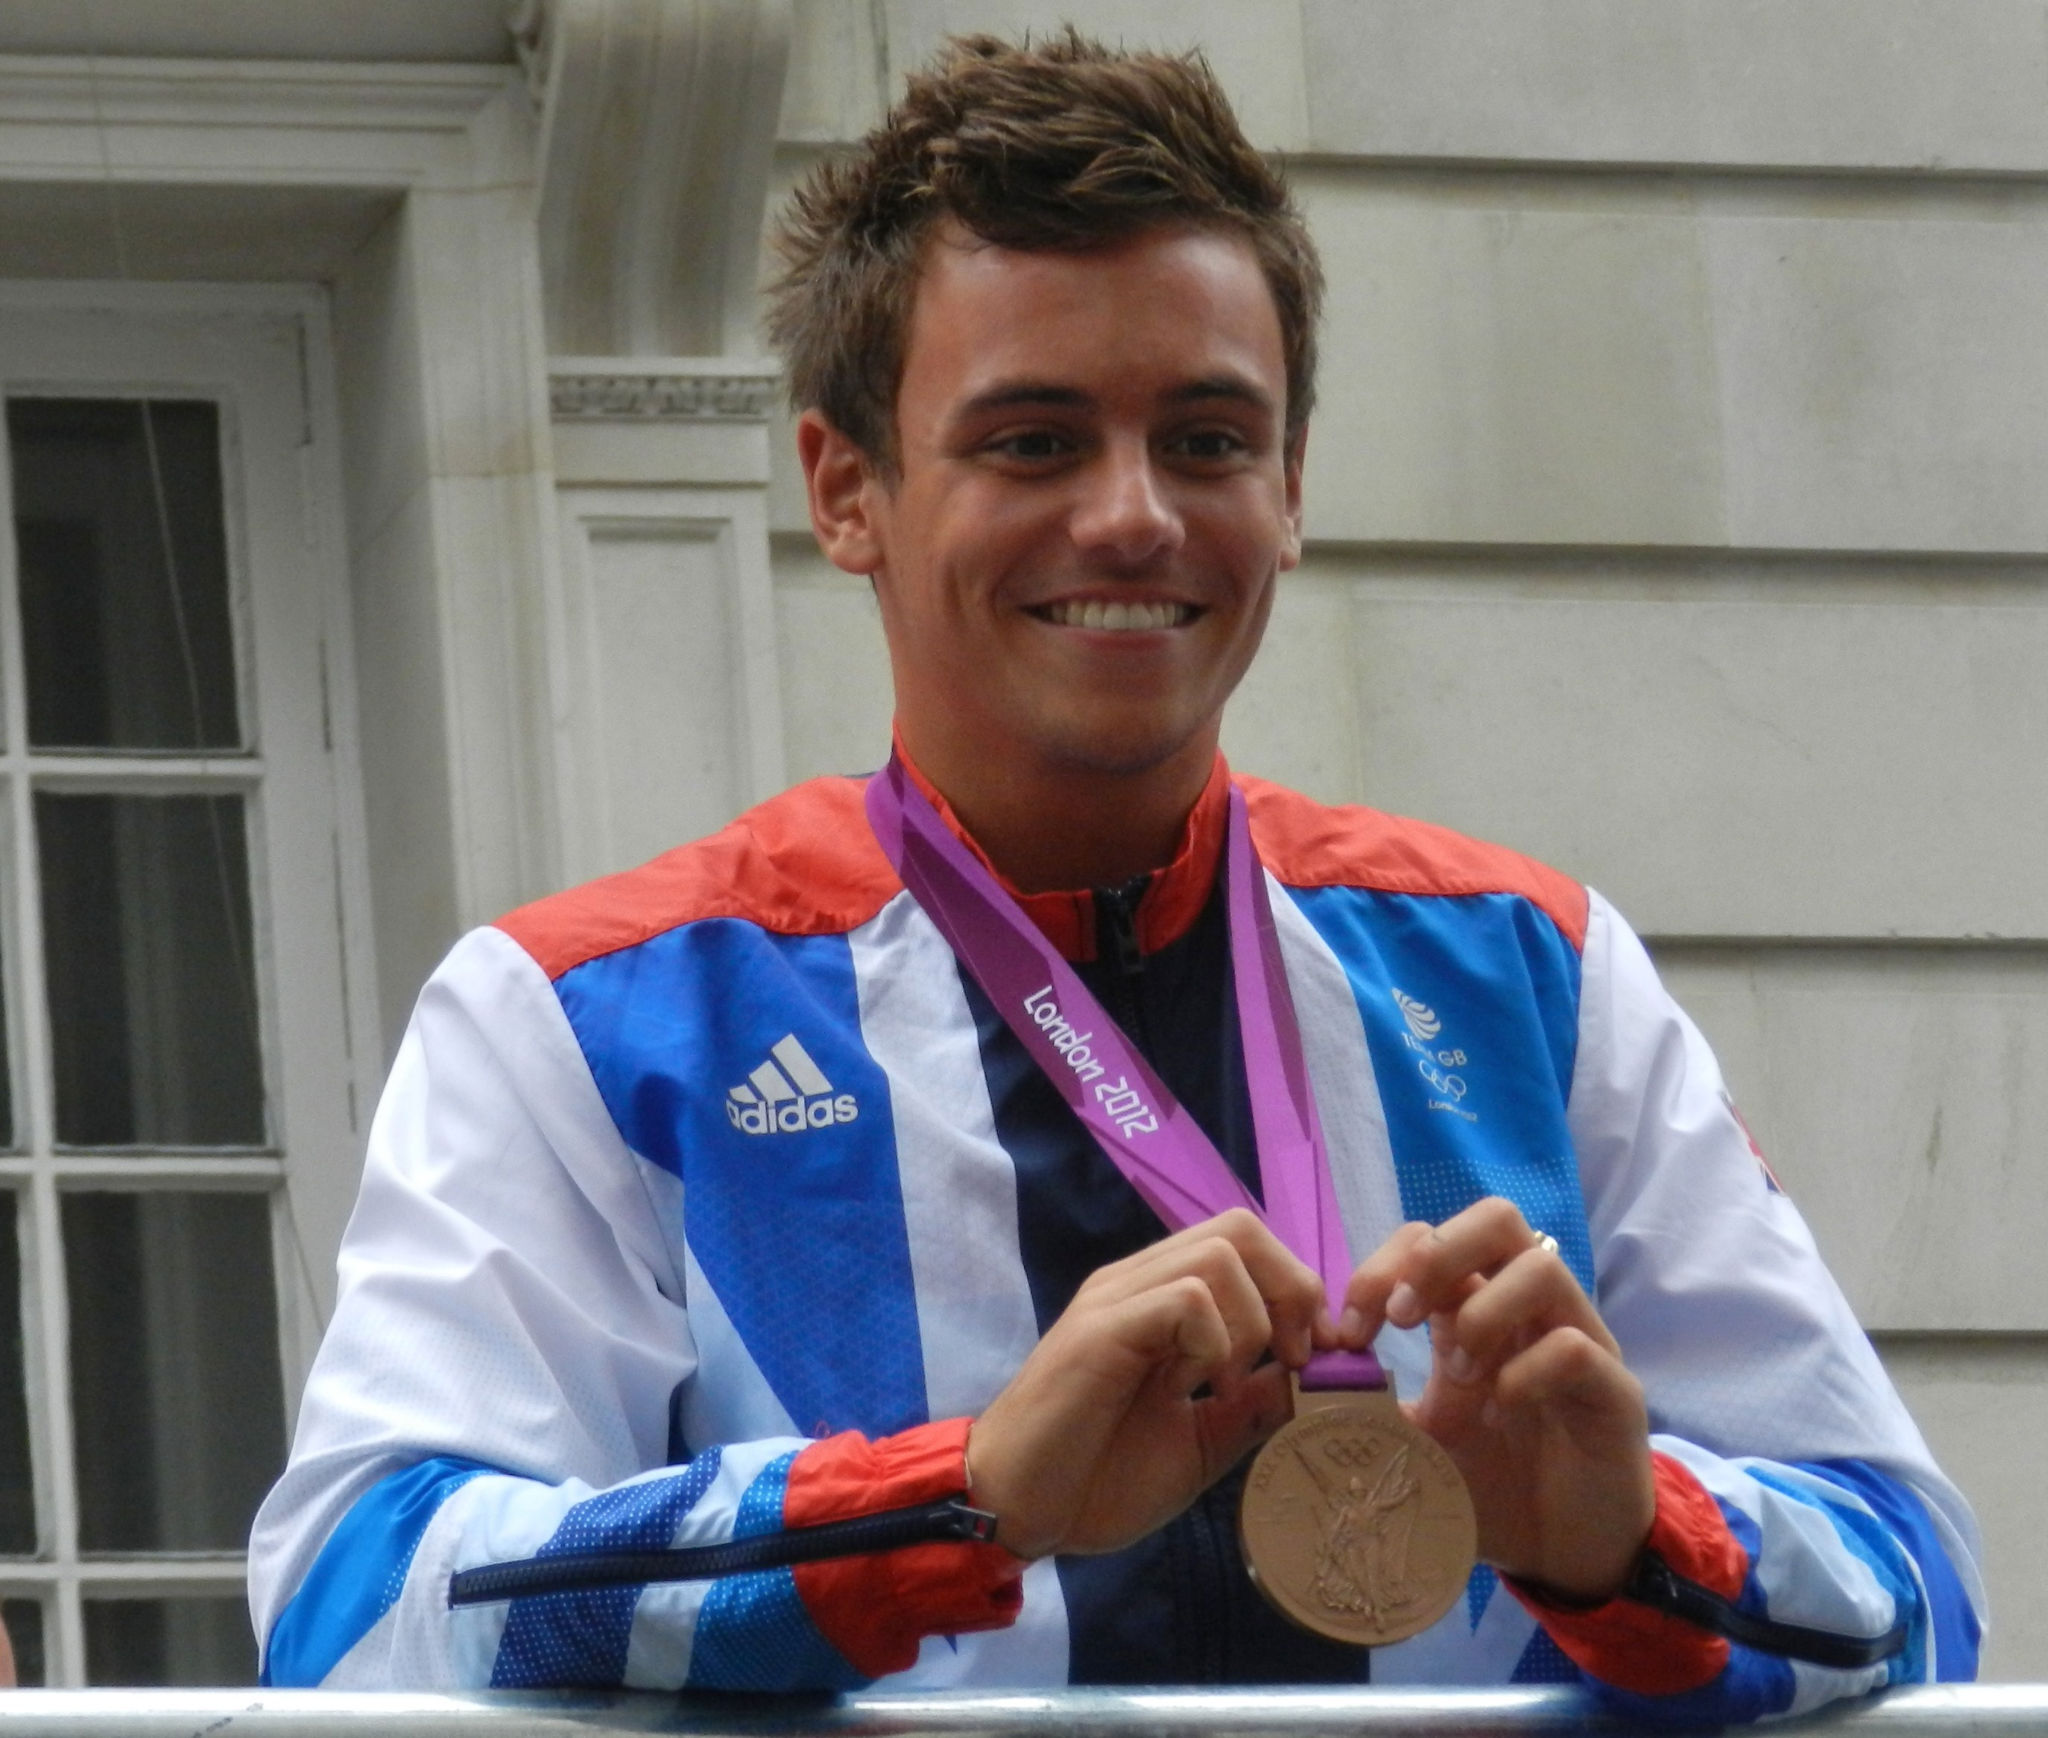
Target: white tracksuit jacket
{"x": 709, "y": 1201}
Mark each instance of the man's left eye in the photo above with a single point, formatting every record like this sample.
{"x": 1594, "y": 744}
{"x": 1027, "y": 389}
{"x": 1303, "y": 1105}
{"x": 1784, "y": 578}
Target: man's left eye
{"x": 1210, "y": 444}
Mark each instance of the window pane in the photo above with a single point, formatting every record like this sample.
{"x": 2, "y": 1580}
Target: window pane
{"x": 118, "y": 523}
{"x": 17, "y": 1485}
{"x": 24, "y": 1619}
{"x": 194, "y": 1643}
{"x": 177, "y": 1402}
{"x": 146, "y": 936}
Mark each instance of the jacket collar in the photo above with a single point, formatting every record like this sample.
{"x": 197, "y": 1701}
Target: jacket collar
{"x": 1173, "y": 897}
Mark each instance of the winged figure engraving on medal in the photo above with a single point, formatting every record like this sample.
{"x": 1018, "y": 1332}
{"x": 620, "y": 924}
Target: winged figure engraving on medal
{"x": 1365, "y": 1524}
{"x": 1355, "y": 1523}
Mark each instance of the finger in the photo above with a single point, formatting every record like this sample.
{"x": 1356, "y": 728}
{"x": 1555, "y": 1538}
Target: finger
{"x": 1176, "y": 1326}
{"x": 1214, "y": 1264}
{"x": 1291, "y": 1290}
{"x": 1290, "y": 1293}
{"x": 1234, "y": 1306}
{"x": 1365, "y": 1297}
{"x": 1481, "y": 1240}
{"x": 1528, "y": 1298}
{"x": 1569, "y": 1373}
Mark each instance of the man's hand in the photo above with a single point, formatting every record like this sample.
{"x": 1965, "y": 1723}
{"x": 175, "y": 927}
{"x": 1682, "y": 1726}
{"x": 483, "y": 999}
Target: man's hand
{"x": 1527, "y": 1392}
{"x": 1100, "y": 1438}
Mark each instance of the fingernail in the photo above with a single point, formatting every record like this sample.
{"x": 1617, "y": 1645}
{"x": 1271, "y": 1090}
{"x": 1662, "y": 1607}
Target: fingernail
{"x": 1404, "y": 1305}
{"x": 1461, "y": 1367}
{"x": 1350, "y": 1326}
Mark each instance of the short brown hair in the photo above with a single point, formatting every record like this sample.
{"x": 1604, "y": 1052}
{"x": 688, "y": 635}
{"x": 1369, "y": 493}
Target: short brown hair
{"x": 1062, "y": 145}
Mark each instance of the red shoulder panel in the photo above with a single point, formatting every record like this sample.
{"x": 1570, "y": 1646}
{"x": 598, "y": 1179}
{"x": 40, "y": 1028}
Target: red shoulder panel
{"x": 803, "y": 863}
{"x": 1308, "y": 845}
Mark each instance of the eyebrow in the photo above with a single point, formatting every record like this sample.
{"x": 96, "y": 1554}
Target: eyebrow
{"x": 1229, "y": 387}
{"x": 1226, "y": 386}
{"x": 1019, "y": 392}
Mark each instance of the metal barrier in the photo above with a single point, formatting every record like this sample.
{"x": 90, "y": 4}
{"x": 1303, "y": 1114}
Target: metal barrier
{"x": 1978, "y": 1711}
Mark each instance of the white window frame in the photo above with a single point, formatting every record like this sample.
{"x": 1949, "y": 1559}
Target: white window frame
{"x": 265, "y": 355}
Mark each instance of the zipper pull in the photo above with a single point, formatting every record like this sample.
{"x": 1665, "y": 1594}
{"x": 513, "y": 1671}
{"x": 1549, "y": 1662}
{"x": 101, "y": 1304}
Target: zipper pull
{"x": 1120, "y": 906}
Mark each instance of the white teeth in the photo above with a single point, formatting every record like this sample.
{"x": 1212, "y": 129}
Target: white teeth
{"x": 1119, "y": 617}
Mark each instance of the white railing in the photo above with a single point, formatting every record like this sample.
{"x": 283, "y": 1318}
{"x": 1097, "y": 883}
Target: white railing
{"x": 1973, "y": 1711}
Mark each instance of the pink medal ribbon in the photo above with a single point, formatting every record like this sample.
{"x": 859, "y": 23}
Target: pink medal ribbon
{"x": 1146, "y": 1132}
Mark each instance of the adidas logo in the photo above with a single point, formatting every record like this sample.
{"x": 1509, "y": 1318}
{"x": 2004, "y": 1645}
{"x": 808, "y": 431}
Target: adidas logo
{"x": 787, "y": 1094}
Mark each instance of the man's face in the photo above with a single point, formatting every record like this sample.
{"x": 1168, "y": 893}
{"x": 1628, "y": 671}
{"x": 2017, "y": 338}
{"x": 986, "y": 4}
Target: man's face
{"x": 1077, "y": 557}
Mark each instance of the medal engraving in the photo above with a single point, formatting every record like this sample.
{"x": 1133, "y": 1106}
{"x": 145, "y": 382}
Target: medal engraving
{"x": 1355, "y": 1524}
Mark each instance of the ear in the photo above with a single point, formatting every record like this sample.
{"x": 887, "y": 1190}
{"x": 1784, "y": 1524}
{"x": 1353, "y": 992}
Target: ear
{"x": 1297, "y": 449}
{"x": 840, "y": 480}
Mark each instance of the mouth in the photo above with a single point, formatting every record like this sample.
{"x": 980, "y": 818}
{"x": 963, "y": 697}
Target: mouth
{"x": 1149, "y": 617}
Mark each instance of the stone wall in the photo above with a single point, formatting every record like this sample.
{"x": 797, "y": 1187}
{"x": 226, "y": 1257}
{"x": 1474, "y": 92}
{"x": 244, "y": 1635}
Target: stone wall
{"x": 1675, "y": 514}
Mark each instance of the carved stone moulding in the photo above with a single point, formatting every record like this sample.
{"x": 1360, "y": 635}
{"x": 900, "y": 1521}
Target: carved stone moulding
{"x": 622, "y": 389}
{"x": 655, "y": 154}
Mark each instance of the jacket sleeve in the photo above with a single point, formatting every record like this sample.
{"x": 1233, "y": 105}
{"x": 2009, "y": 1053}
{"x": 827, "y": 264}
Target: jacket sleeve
{"x": 496, "y": 1386}
{"x": 1792, "y": 1485}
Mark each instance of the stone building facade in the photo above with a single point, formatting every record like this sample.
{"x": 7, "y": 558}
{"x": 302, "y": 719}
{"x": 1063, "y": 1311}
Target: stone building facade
{"x": 1675, "y": 514}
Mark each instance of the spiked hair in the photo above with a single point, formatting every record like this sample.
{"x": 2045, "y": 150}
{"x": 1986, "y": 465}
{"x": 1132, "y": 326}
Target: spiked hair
{"x": 1062, "y": 145}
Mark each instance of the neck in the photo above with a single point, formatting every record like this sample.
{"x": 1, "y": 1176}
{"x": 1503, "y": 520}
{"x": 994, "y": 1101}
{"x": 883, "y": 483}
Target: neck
{"x": 1050, "y": 829}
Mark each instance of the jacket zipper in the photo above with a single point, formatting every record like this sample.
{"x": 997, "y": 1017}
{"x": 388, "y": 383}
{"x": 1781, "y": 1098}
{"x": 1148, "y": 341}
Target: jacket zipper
{"x": 577, "y": 1571}
{"x": 1654, "y": 1583}
{"x": 1116, "y": 940}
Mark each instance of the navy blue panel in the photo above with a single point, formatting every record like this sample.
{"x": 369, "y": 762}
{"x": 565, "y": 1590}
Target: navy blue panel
{"x": 579, "y": 1640}
{"x": 1544, "y": 1662}
{"x": 1178, "y": 1606}
{"x": 1957, "y": 1633}
{"x": 1076, "y": 1212}
{"x": 360, "y": 1571}
{"x": 1480, "y": 1587}
{"x": 1471, "y": 1009}
{"x": 753, "y": 1631}
{"x": 800, "y": 1233}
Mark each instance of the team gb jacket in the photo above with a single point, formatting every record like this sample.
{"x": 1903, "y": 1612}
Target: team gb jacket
{"x": 708, "y": 1202}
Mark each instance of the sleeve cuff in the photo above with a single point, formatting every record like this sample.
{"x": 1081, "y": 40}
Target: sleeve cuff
{"x": 1632, "y": 1647}
{"x": 877, "y": 1609}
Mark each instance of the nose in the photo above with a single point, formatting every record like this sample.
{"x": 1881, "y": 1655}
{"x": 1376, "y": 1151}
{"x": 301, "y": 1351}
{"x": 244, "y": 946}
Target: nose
{"x": 1125, "y": 516}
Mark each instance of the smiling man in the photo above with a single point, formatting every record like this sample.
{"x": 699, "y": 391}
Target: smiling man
{"x": 1095, "y": 486}
{"x": 869, "y": 1242}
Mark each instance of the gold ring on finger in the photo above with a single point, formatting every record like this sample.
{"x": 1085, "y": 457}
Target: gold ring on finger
{"x": 1546, "y": 1243}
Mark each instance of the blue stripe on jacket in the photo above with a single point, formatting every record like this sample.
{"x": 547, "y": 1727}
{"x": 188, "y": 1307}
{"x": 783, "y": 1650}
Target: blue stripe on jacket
{"x": 1471, "y": 1013}
{"x": 753, "y": 1630}
{"x": 579, "y": 1639}
{"x": 359, "y": 1572}
{"x": 1953, "y": 1620}
{"x": 801, "y": 1233}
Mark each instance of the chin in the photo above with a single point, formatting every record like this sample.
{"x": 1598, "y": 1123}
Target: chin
{"x": 1121, "y": 751}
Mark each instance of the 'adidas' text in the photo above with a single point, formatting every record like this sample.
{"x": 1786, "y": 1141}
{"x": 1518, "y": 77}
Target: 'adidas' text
{"x": 787, "y": 1099}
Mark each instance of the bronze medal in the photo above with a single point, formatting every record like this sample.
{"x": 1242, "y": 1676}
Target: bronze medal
{"x": 1355, "y": 1524}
